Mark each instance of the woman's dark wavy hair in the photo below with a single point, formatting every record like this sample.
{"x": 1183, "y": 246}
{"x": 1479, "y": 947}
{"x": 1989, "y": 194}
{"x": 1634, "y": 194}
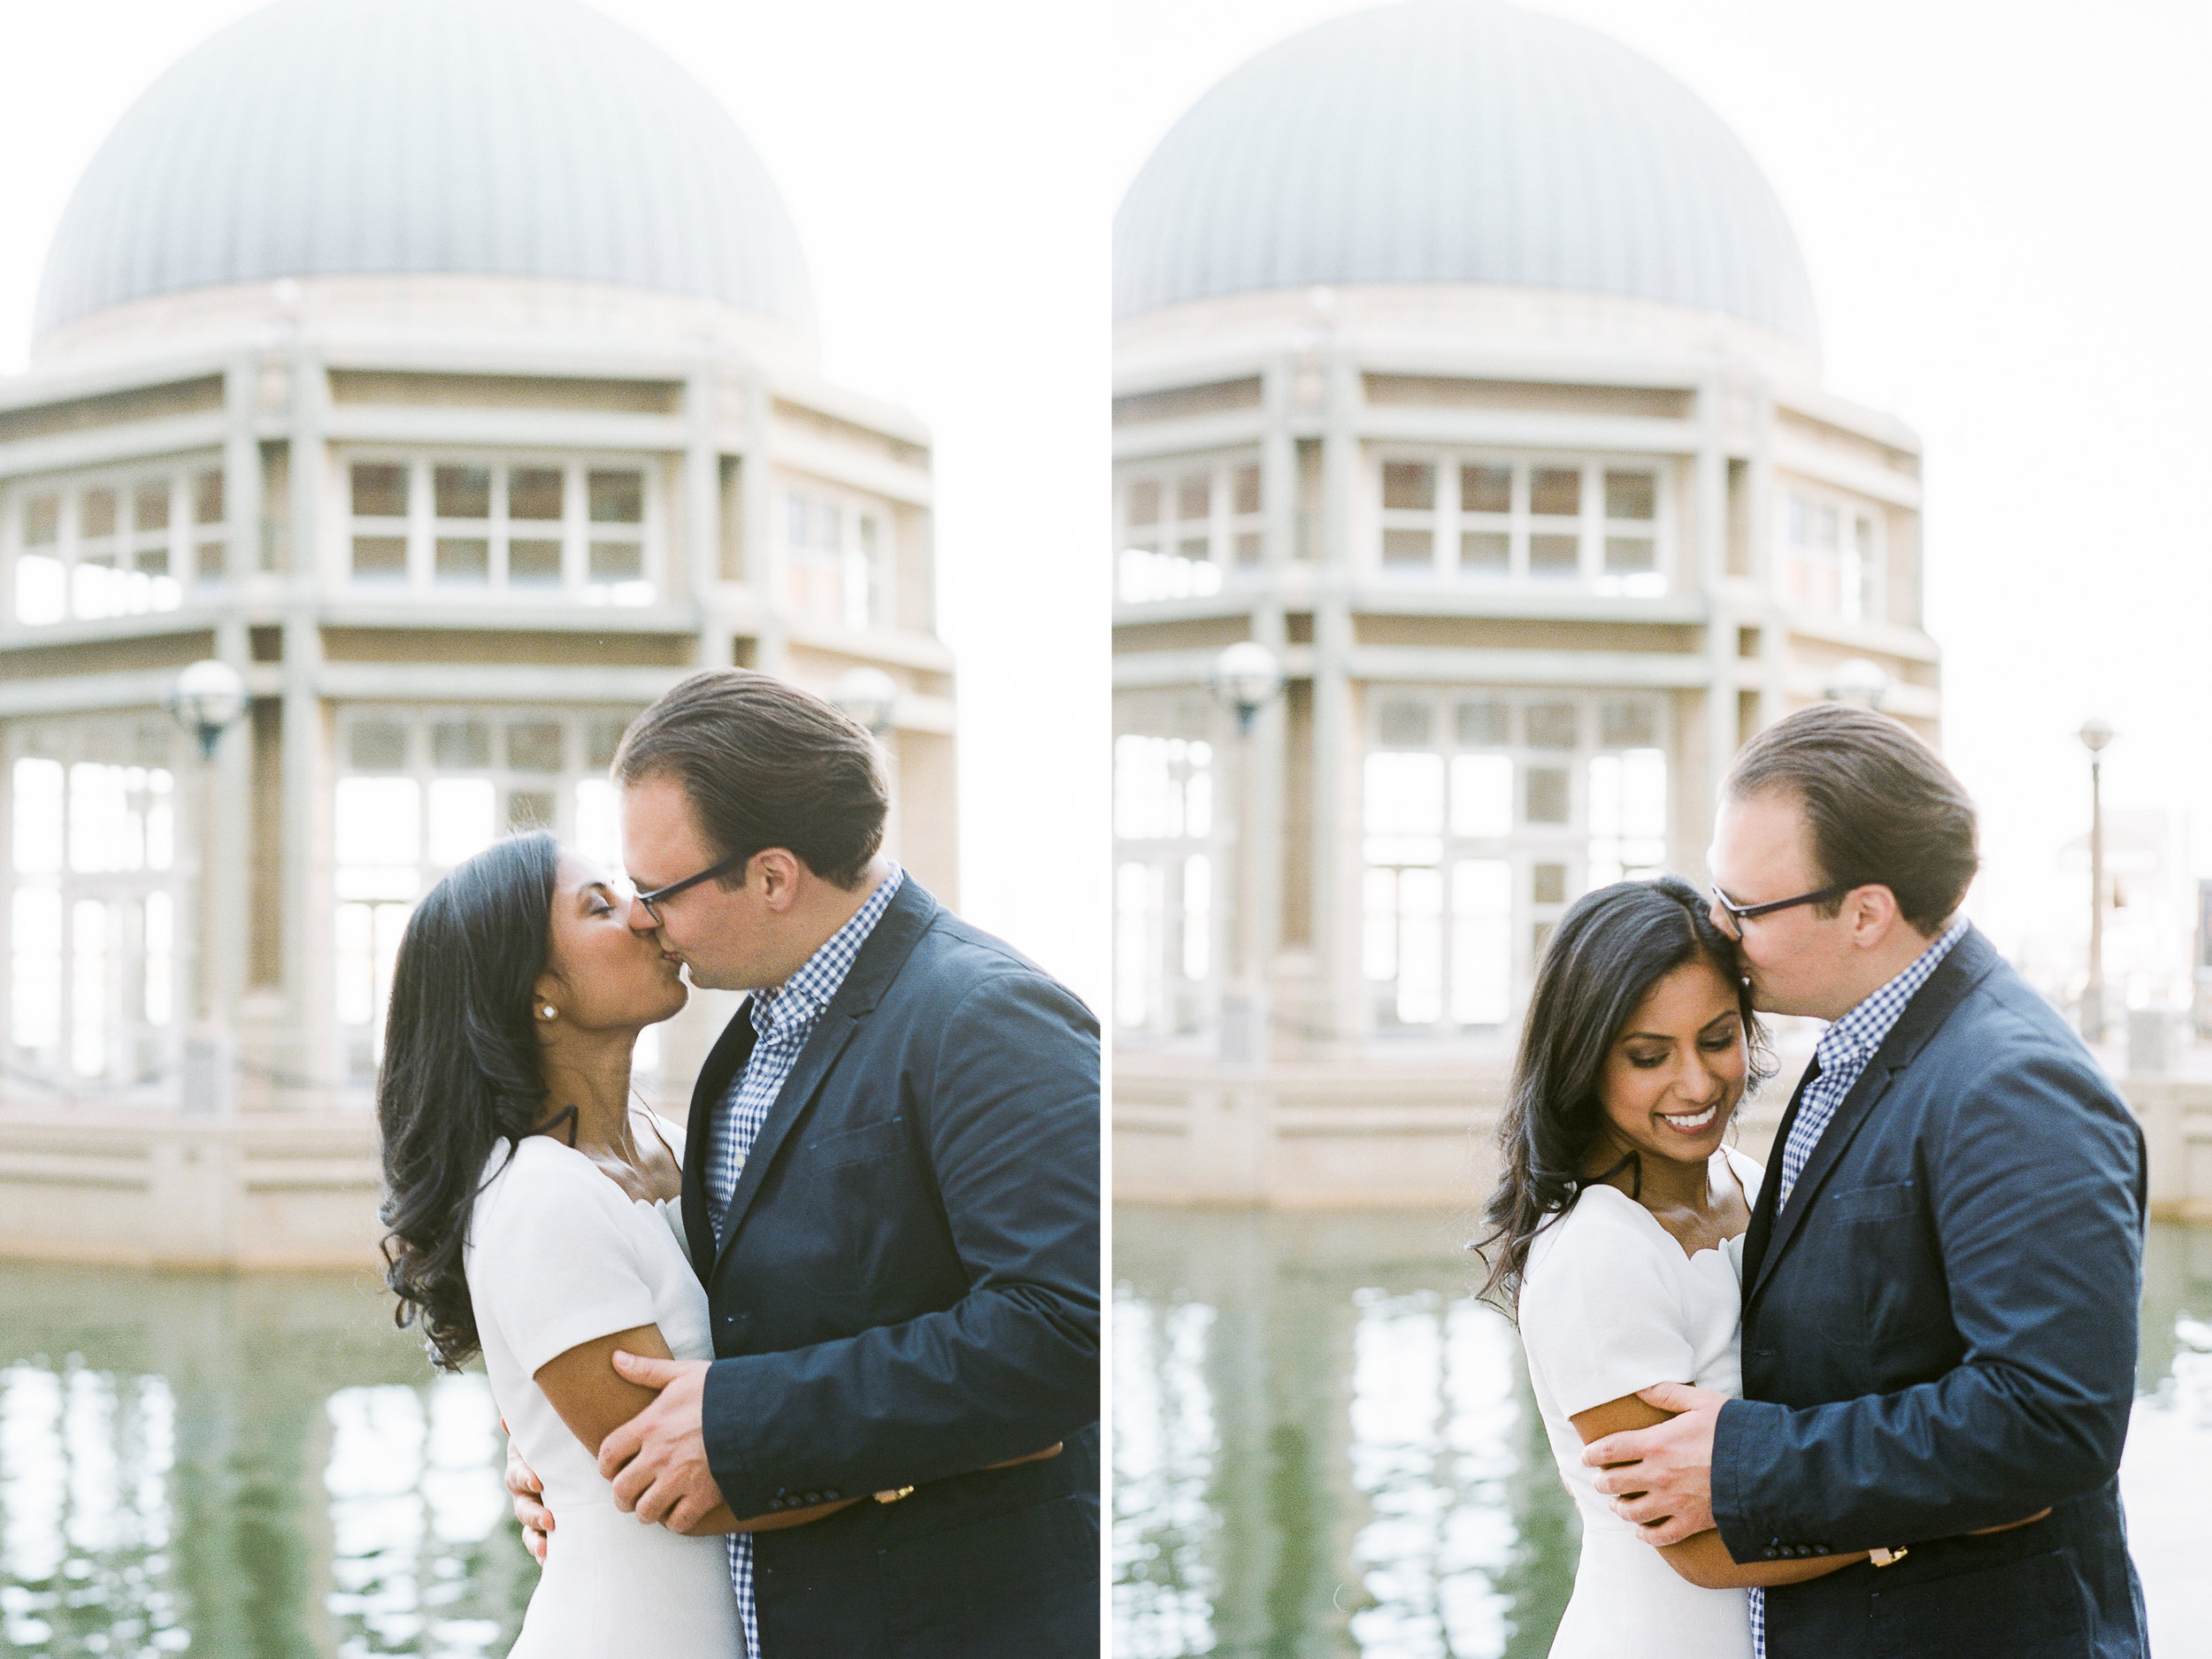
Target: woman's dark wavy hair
{"x": 1611, "y": 946}
{"x": 460, "y": 1071}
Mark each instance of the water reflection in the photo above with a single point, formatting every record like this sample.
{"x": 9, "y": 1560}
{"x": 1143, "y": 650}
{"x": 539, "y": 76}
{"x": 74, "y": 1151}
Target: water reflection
{"x": 1323, "y": 1445}
{"x": 247, "y": 1468}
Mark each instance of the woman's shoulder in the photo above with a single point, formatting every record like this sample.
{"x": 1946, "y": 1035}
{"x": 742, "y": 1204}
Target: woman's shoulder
{"x": 1594, "y": 1229}
{"x": 1748, "y": 1170}
{"x": 538, "y": 1171}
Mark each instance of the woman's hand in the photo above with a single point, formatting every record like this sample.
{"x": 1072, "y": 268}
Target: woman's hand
{"x": 536, "y": 1519}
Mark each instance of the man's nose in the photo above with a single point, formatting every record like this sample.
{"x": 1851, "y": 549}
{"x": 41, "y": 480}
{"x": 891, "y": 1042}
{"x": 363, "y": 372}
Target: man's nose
{"x": 641, "y": 920}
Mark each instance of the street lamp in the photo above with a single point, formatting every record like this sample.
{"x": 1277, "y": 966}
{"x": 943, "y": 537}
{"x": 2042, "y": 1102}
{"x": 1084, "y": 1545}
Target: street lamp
{"x": 1245, "y": 678}
{"x": 208, "y": 700}
{"x": 1857, "y": 681}
{"x": 2094, "y": 734}
{"x": 869, "y": 696}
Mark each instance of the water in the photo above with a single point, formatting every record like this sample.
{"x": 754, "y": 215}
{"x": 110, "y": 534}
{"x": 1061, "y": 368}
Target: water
{"x": 1325, "y": 1447}
{"x": 242, "y": 1467}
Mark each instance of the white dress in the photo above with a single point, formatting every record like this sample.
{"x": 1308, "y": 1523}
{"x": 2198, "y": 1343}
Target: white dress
{"x": 1610, "y": 1303}
{"x": 557, "y": 1254}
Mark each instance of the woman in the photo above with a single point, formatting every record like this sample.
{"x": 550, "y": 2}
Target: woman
{"x": 533, "y": 1217}
{"x": 1615, "y": 1233}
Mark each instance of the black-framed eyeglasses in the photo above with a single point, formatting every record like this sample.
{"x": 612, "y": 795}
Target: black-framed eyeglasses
{"x": 1738, "y": 914}
{"x": 659, "y": 895}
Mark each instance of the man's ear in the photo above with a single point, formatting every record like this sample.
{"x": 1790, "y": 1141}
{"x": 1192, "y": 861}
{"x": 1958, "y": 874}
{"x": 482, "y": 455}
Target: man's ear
{"x": 1874, "y": 914}
{"x": 777, "y": 870}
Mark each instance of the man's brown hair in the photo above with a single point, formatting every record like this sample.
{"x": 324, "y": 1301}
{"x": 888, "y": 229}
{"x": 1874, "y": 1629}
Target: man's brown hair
{"x": 766, "y": 765}
{"x": 1882, "y": 809}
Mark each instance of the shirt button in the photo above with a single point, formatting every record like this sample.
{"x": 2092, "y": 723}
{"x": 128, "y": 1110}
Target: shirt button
{"x": 813, "y": 1497}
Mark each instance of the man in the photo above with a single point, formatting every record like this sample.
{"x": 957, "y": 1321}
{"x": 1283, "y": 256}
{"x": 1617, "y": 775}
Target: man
{"x": 1942, "y": 1270}
{"x": 890, "y": 1189}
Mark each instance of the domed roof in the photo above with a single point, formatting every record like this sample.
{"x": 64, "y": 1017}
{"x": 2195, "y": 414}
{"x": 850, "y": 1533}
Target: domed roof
{"x": 1458, "y": 142}
{"x": 529, "y": 138}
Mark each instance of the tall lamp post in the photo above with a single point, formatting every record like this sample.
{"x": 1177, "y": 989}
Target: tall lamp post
{"x": 1246, "y": 678}
{"x": 2094, "y": 734}
{"x": 1857, "y": 679}
{"x": 869, "y": 696}
{"x": 208, "y": 700}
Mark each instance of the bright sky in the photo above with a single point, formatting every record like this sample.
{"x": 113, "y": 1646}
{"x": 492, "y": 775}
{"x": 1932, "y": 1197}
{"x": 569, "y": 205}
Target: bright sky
{"x": 945, "y": 167}
{"x": 2004, "y": 214}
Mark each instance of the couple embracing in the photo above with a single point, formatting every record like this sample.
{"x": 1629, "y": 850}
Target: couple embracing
{"x": 832, "y": 1345}
{"x": 1867, "y": 1403}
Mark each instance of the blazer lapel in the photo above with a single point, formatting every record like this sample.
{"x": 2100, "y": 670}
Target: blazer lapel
{"x": 1762, "y": 1228}
{"x": 724, "y": 1062}
{"x": 881, "y": 955}
{"x": 1968, "y": 963}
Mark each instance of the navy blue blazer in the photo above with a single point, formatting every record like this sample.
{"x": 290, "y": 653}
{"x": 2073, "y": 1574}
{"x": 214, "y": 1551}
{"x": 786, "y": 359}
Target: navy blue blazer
{"x": 1939, "y": 1335}
{"x": 907, "y": 1293}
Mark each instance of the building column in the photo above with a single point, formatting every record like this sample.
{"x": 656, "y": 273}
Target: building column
{"x": 1759, "y": 543}
{"x": 703, "y": 517}
{"x": 763, "y": 554}
{"x": 308, "y": 1048}
{"x": 1336, "y": 745}
{"x": 1698, "y": 789}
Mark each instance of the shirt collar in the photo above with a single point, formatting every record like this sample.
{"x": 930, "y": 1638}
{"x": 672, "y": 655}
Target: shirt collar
{"x": 802, "y": 998}
{"x": 1861, "y": 1031}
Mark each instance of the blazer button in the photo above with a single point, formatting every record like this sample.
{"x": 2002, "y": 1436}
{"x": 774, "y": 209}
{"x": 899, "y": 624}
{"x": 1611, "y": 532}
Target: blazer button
{"x": 830, "y": 1495}
{"x": 813, "y": 1497}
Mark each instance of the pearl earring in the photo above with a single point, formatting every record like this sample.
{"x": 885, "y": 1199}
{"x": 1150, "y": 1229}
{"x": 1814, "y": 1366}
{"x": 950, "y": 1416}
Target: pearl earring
{"x": 548, "y": 1012}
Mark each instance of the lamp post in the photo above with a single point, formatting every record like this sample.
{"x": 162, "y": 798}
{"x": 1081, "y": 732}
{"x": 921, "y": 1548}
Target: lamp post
{"x": 210, "y": 698}
{"x": 869, "y": 696}
{"x": 1858, "y": 681}
{"x": 1246, "y": 678}
{"x": 2095, "y": 734}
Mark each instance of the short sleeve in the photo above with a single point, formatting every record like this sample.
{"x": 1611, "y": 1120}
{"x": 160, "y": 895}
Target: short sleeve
{"x": 1600, "y": 1315}
{"x": 551, "y": 1261}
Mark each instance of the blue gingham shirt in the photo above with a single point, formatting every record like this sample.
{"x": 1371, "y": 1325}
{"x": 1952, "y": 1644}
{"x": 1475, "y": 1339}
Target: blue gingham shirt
{"x": 783, "y": 1019}
{"x": 1839, "y": 1059}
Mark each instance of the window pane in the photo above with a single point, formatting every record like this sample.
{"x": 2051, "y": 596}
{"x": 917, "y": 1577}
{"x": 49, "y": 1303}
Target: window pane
{"x": 150, "y": 505}
{"x": 1247, "y": 548}
{"x": 1547, "y": 884}
{"x": 1623, "y": 724}
{"x": 533, "y": 745}
{"x": 798, "y": 519}
{"x": 380, "y": 491}
{"x": 529, "y": 810}
{"x": 41, "y": 521}
{"x": 1482, "y": 724}
{"x": 1404, "y": 724}
{"x": 1144, "y": 501}
{"x": 380, "y": 558}
{"x": 597, "y": 834}
{"x": 462, "y": 492}
{"x": 1547, "y": 798}
{"x": 207, "y": 498}
{"x": 1631, "y": 496}
{"x": 533, "y": 564}
{"x": 1404, "y": 794}
{"x": 1630, "y": 555}
{"x": 1556, "y": 490}
{"x": 1410, "y": 549}
{"x": 1193, "y": 495}
{"x": 208, "y": 562}
{"x": 378, "y": 746}
{"x": 1378, "y": 940}
{"x": 601, "y": 739}
{"x": 379, "y": 821}
{"x": 1409, "y": 486}
{"x": 1485, "y": 489}
{"x": 534, "y": 492}
{"x": 1482, "y": 950}
{"x": 1420, "y": 946}
{"x": 1247, "y": 482}
{"x": 1197, "y": 917}
{"x": 617, "y": 562}
{"x": 460, "y": 818}
{"x": 1485, "y": 552}
{"x": 38, "y": 815}
{"x": 96, "y": 512}
{"x": 1554, "y": 556}
{"x": 465, "y": 559}
{"x": 153, "y": 560}
{"x": 1551, "y": 726}
{"x": 460, "y": 745}
{"x": 1482, "y": 795}
{"x": 618, "y": 497}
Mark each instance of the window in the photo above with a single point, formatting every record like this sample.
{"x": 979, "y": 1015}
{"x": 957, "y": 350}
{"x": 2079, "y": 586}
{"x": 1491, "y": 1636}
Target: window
{"x": 114, "y": 543}
{"x": 93, "y": 908}
{"x": 836, "y": 561}
{"x": 417, "y": 792}
{"x": 451, "y": 526}
{"x": 1832, "y": 557}
{"x": 1485, "y": 519}
{"x": 1164, "y": 902}
{"x": 1184, "y": 530}
{"x": 1484, "y": 812}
